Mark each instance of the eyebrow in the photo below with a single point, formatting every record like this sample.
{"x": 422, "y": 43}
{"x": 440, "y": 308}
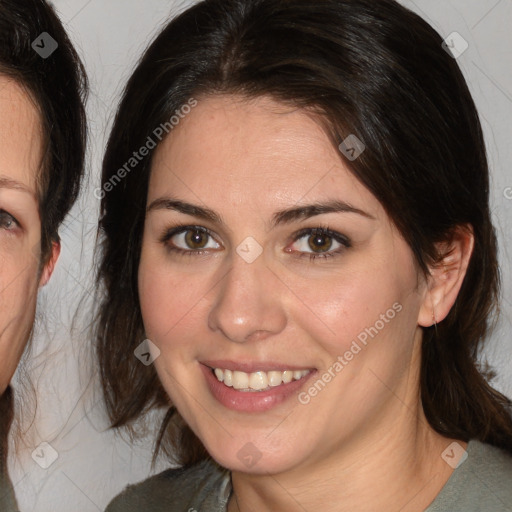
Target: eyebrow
{"x": 281, "y": 217}
{"x": 307, "y": 211}
{"x": 165, "y": 203}
{"x": 14, "y": 185}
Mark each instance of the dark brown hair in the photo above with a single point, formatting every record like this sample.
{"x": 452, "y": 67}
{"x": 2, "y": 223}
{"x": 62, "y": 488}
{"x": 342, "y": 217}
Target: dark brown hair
{"x": 367, "y": 67}
{"x": 57, "y": 84}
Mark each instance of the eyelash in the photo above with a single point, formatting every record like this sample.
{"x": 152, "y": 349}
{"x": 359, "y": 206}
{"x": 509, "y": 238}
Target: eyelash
{"x": 325, "y": 231}
{"x": 169, "y": 233}
{"x": 319, "y": 230}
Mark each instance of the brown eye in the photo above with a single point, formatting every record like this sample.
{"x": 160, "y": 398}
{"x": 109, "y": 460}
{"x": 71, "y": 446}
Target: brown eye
{"x": 190, "y": 239}
{"x": 196, "y": 239}
{"x": 320, "y": 242}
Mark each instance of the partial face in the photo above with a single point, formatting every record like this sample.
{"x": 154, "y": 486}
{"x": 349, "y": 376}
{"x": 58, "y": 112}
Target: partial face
{"x": 20, "y": 227}
{"x": 282, "y": 299}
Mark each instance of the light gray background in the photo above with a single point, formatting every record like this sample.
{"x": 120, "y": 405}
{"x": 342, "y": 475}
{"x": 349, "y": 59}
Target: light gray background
{"x": 93, "y": 465}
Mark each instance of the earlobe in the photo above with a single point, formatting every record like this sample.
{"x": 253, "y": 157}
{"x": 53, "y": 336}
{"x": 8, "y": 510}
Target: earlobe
{"x": 50, "y": 264}
{"x": 446, "y": 277}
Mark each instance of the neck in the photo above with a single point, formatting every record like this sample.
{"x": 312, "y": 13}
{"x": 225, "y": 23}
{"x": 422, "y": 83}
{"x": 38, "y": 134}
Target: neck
{"x": 396, "y": 468}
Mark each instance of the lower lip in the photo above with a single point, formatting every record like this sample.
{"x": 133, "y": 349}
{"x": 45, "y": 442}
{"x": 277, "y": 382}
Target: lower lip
{"x": 251, "y": 401}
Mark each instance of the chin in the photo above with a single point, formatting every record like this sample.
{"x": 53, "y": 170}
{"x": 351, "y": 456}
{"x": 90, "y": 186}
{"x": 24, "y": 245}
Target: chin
{"x": 257, "y": 457}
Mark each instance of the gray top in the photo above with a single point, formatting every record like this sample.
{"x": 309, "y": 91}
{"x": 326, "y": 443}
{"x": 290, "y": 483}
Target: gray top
{"x": 482, "y": 483}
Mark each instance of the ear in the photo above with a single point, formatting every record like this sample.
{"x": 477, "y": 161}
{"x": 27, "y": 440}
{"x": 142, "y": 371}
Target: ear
{"x": 50, "y": 264}
{"x": 446, "y": 276}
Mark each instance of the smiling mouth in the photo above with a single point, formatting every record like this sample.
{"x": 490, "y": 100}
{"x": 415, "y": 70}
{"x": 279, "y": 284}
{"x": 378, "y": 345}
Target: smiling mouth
{"x": 257, "y": 381}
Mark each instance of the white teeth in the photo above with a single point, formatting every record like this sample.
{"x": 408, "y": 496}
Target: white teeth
{"x": 240, "y": 380}
{"x": 287, "y": 376}
{"x": 228, "y": 377}
{"x": 275, "y": 378}
{"x": 257, "y": 381}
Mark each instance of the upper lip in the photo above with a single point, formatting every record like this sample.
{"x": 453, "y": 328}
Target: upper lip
{"x": 253, "y": 366}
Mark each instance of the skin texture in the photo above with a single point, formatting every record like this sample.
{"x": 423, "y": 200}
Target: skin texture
{"x": 246, "y": 160}
{"x": 20, "y": 224}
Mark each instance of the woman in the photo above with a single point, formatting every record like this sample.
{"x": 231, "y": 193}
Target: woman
{"x": 298, "y": 258}
{"x": 42, "y": 145}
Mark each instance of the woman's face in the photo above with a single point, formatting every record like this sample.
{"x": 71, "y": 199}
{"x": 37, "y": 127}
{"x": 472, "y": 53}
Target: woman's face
{"x": 20, "y": 227}
{"x": 265, "y": 260}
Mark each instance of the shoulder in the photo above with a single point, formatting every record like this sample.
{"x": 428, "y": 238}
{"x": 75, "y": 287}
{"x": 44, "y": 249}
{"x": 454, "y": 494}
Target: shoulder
{"x": 483, "y": 481}
{"x": 176, "y": 489}
{"x": 492, "y": 467}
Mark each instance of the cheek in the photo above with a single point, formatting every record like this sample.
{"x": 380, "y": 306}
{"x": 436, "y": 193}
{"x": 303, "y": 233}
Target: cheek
{"x": 170, "y": 301}
{"x": 363, "y": 319}
{"x": 339, "y": 308}
{"x": 18, "y": 285}
{"x": 18, "y": 291}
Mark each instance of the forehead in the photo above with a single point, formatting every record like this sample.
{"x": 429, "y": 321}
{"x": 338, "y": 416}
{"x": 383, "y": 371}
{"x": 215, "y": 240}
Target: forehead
{"x": 20, "y": 135}
{"x": 248, "y": 150}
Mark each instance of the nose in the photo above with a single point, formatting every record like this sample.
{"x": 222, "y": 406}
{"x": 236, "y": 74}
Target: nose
{"x": 248, "y": 304}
